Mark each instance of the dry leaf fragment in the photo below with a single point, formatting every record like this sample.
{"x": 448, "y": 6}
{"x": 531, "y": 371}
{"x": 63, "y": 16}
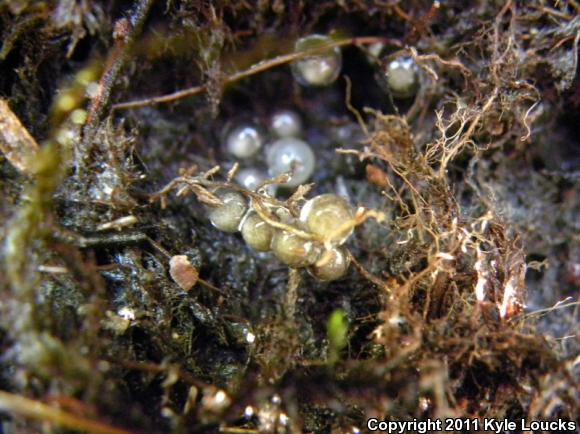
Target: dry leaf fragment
{"x": 16, "y": 143}
{"x": 376, "y": 176}
{"x": 183, "y": 272}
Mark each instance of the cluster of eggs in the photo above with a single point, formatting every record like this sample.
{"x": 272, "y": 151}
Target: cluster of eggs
{"x": 322, "y": 217}
{"x": 324, "y": 220}
{"x": 399, "y": 74}
{"x": 288, "y": 153}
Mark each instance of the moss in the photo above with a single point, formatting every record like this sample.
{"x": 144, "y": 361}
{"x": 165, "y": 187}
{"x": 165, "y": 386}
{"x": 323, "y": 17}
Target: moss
{"x": 336, "y": 329}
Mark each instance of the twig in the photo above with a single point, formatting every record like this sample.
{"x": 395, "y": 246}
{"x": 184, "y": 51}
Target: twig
{"x": 125, "y": 34}
{"x": 235, "y": 430}
{"x": 252, "y": 70}
{"x": 351, "y": 108}
{"x": 556, "y": 13}
{"x": 369, "y": 276}
{"x": 559, "y": 305}
{"x": 468, "y": 133}
{"x": 32, "y": 409}
{"x": 161, "y": 369}
{"x": 16, "y": 143}
{"x": 421, "y": 24}
{"x": 453, "y": 64}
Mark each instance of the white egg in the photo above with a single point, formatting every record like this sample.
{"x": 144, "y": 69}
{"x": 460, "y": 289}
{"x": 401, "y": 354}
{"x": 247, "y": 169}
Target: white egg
{"x": 288, "y": 154}
{"x": 251, "y": 177}
{"x": 320, "y": 69}
{"x": 244, "y": 141}
{"x": 402, "y": 77}
{"x": 286, "y": 123}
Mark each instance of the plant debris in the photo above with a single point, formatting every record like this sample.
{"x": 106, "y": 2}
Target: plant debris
{"x": 122, "y": 309}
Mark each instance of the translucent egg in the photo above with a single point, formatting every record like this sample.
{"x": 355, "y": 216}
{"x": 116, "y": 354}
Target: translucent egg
{"x": 374, "y": 51}
{"x": 326, "y": 215}
{"x": 294, "y": 251}
{"x": 257, "y": 233}
{"x": 286, "y": 123}
{"x": 227, "y": 217}
{"x": 250, "y": 178}
{"x": 284, "y": 215}
{"x": 331, "y": 267}
{"x": 402, "y": 78}
{"x": 347, "y": 135}
{"x": 244, "y": 141}
{"x": 288, "y": 154}
{"x": 320, "y": 69}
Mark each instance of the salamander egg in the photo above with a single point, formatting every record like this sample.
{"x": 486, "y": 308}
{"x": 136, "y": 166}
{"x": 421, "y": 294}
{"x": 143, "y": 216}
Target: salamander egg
{"x": 250, "y": 178}
{"x": 286, "y": 123}
{"x": 402, "y": 78}
{"x": 332, "y": 265}
{"x": 257, "y": 233}
{"x": 326, "y": 215}
{"x": 288, "y": 154}
{"x": 244, "y": 141}
{"x": 294, "y": 251}
{"x": 320, "y": 69}
{"x": 227, "y": 217}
